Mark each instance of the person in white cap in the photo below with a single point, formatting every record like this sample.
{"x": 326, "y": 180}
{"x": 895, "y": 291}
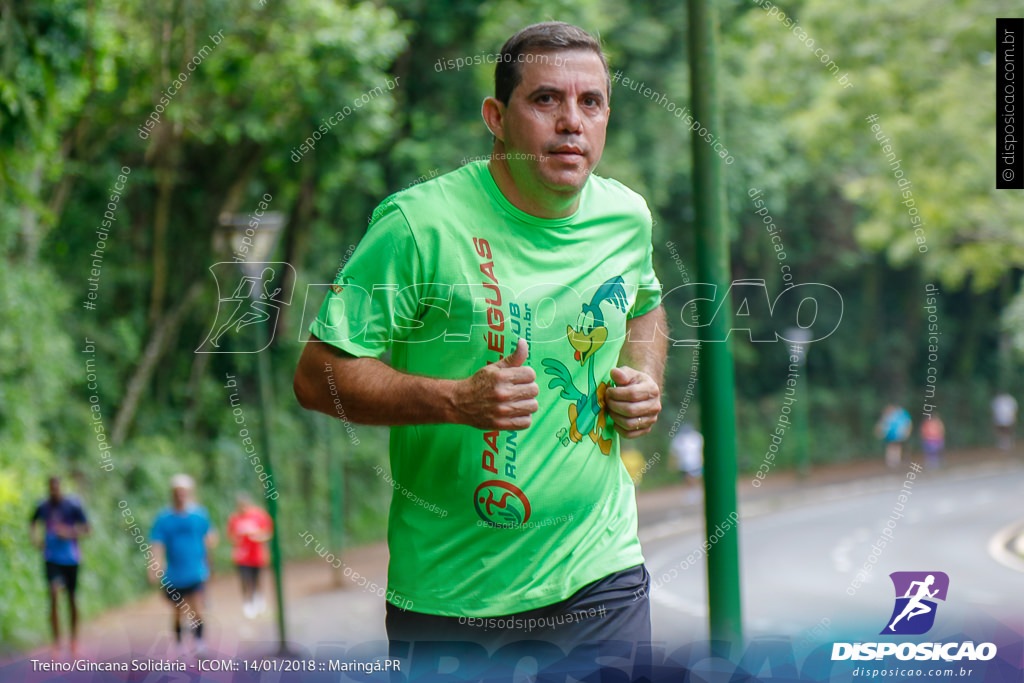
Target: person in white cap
{"x": 182, "y": 536}
{"x": 1004, "y": 417}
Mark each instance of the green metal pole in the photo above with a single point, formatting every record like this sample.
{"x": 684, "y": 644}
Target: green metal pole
{"x": 803, "y": 434}
{"x": 336, "y": 494}
{"x": 718, "y": 418}
{"x": 266, "y": 410}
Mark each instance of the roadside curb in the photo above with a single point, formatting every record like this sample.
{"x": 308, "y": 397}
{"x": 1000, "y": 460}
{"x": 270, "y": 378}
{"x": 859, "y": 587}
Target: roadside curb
{"x": 1007, "y": 546}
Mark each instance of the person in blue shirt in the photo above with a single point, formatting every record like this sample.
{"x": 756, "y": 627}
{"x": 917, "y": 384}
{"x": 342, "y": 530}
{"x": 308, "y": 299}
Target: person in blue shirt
{"x": 894, "y": 428}
{"x": 64, "y": 522}
{"x": 182, "y": 537}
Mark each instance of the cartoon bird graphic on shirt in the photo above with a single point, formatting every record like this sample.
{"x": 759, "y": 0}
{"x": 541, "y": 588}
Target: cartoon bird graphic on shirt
{"x": 586, "y": 410}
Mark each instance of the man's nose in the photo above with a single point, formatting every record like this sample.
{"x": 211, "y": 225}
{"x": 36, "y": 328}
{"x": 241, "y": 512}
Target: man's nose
{"x": 569, "y": 118}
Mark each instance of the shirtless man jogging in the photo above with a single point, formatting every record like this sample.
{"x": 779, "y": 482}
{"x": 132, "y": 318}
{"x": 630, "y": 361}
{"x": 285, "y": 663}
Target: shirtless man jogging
{"x": 527, "y": 337}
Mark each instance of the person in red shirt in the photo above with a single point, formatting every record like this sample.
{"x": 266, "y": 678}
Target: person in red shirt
{"x": 249, "y": 529}
{"x": 933, "y": 438}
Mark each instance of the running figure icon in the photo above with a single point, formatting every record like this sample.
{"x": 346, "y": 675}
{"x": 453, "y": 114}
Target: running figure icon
{"x": 915, "y": 606}
{"x": 508, "y": 513}
{"x": 917, "y": 594}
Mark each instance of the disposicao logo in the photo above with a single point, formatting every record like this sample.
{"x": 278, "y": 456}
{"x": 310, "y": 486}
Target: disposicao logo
{"x": 914, "y": 615}
{"x": 916, "y": 592}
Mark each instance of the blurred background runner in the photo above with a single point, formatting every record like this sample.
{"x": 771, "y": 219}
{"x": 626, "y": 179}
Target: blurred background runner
{"x": 64, "y": 522}
{"x": 249, "y": 529}
{"x": 933, "y": 440}
{"x": 182, "y": 533}
{"x": 1004, "y": 417}
{"x": 894, "y": 428}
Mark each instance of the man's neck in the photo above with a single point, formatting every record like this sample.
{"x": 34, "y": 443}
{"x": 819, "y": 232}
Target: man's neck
{"x": 541, "y": 203}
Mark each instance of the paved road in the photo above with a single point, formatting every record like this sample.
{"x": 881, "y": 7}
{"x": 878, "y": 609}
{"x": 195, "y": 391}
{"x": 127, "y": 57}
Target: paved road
{"x": 797, "y": 563}
{"x": 800, "y": 546}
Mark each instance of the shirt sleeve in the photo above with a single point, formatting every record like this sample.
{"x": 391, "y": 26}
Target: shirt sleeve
{"x": 205, "y": 525}
{"x": 156, "y": 534}
{"x": 648, "y": 293}
{"x": 38, "y": 514}
{"x": 78, "y": 514}
{"x": 373, "y": 301}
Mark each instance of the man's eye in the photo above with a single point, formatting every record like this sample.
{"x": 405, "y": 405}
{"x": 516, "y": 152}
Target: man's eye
{"x": 590, "y": 102}
{"x": 544, "y": 99}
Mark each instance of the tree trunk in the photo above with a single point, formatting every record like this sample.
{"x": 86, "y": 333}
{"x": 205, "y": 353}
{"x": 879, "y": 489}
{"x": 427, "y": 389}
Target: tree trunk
{"x": 164, "y": 330}
{"x": 200, "y": 361}
{"x": 161, "y": 219}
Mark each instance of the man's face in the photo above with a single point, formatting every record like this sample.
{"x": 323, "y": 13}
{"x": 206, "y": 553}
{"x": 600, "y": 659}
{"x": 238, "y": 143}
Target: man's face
{"x": 554, "y": 125}
{"x": 54, "y": 489}
{"x": 179, "y": 494}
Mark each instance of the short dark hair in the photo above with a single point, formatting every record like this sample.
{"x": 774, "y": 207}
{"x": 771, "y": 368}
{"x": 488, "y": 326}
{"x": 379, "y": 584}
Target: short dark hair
{"x": 550, "y": 36}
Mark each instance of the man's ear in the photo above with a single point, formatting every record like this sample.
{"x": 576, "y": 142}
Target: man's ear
{"x": 493, "y": 112}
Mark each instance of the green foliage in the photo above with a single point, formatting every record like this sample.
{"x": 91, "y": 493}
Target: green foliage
{"x": 1013, "y": 323}
{"x": 79, "y": 79}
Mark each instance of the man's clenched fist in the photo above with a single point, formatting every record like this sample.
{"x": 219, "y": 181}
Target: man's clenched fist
{"x": 633, "y": 403}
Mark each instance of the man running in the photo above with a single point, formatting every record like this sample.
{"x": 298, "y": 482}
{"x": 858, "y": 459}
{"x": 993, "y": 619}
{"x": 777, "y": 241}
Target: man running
{"x": 64, "y": 523}
{"x": 182, "y": 536}
{"x": 1004, "y": 417}
{"x": 894, "y": 427}
{"x": 477, "y": 282}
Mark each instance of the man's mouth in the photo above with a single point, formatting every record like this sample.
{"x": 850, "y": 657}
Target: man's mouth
{"x": 568, "y": 152}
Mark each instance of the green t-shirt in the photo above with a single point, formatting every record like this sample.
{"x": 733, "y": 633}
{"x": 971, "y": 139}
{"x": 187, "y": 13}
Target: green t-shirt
{"x": 448, "y": 277}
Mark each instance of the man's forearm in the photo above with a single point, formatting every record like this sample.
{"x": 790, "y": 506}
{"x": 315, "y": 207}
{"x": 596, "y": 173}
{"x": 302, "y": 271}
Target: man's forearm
{"x": 159, "y": 560}
{"x": 368, "y": 391}
{"x": 646, "y": 344}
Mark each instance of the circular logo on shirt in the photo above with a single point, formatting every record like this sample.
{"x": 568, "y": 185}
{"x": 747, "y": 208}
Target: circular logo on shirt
{"x": 501, "y": 504}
